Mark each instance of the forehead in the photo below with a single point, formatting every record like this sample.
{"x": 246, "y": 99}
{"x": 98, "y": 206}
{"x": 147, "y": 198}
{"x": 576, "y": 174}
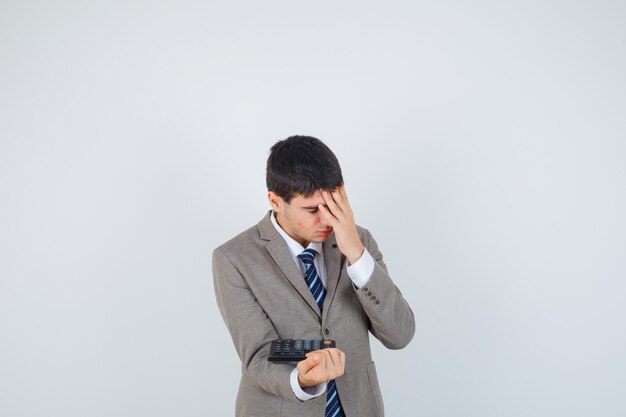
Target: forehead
{"x": 301, "y": 201}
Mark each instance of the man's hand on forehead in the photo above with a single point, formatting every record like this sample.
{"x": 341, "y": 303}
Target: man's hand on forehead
{"x": 338, "y": 213}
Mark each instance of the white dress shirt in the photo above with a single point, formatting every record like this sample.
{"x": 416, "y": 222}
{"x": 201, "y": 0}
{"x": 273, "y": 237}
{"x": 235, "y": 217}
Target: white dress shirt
{"x": 359, "y": 272}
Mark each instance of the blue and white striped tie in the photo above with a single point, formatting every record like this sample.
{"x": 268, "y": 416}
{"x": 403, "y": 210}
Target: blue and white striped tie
{"x": 333, "y": 404}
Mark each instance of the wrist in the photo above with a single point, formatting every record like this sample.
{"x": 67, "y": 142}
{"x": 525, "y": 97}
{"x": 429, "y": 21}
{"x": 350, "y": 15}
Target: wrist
{"x": 304, "y": 394}
{"x": 355, "y": 254}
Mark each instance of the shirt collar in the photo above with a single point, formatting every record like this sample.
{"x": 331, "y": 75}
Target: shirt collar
{"x": 294, "y": 247}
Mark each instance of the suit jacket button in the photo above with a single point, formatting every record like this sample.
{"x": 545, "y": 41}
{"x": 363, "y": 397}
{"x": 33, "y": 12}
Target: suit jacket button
{"x": 377, "y": 302}
{"x": 365, "y": 289}
{"x": 369, "y": 293}
{"x": 327, "y": 331}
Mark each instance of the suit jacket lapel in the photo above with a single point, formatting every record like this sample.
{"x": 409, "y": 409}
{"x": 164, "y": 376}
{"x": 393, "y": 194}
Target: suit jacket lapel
{"x": 334, "y": 262}
{"x": 279, "y": 251}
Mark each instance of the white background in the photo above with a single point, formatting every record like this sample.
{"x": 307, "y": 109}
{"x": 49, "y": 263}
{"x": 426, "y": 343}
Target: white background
{"x": 482, "y": 143}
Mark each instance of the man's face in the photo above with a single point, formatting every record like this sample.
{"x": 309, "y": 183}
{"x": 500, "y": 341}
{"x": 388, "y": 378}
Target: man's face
{"x": 301, "y": 218}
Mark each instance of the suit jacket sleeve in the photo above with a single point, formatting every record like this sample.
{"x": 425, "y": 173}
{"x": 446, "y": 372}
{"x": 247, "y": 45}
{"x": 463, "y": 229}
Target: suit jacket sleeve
{"x": 249, "y": 327}
{"x": 391, "y": 319}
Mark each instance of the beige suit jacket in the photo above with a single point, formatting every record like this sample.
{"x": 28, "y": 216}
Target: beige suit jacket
{"x": 262, "y": 296}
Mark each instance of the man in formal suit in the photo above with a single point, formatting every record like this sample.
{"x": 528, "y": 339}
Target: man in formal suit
{"x": 307, "y": 271}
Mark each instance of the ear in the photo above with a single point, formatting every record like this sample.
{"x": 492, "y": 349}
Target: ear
{"x": 275, "y": 200}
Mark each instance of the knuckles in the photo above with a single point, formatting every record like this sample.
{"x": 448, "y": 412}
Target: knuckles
{"x": 326, "y": 369}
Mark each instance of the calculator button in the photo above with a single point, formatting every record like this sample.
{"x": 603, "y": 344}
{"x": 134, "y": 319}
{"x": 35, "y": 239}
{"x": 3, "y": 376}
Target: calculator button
{"x": 298, "y": 345}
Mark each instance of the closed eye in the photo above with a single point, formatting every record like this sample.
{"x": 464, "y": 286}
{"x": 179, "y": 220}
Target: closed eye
{"x": 312, "y": 209}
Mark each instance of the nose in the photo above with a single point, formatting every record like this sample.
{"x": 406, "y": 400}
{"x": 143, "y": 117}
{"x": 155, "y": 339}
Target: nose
{"x": 323, "y": 221}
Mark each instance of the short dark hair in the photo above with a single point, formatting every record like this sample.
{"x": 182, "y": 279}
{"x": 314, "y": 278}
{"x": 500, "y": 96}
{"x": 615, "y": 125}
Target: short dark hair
{"x": 301, "y": 165}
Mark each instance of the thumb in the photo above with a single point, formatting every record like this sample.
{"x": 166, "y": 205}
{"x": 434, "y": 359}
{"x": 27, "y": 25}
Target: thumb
{"x": 311, "y": 360}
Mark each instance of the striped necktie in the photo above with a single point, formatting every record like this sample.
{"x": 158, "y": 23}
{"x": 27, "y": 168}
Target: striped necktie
{"x": 333, "y": 404}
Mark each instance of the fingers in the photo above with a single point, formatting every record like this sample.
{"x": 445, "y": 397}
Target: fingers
{"x": 332, "y": 205}
{"x": 337, "y": 206}
{"x": 334, "y": 361}
{"x": 337, "y": 202}
{"x": 337, "y": 361}
{"x": 309, "y": 369}
{"x": 342, "y": 200}
{"x": 312, "y": 359}
{"x": 342, "y": 192}
{"x": 342, "y": 361}
{"x": 338, "y": 197}
{"x": 327, "y": 215}
{"x": 341, "y": 197}
{"x": 320, "y": 366}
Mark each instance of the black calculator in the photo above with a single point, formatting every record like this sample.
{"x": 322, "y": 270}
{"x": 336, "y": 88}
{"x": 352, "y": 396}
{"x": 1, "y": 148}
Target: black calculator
{"x": 295, "y": 350}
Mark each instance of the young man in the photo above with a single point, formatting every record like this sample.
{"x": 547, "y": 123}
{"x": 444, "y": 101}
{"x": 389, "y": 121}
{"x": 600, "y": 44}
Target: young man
{"x": 306, "y": 271}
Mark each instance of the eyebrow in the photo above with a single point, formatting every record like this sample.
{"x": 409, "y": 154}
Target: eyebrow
{"x": 312, "y": 207}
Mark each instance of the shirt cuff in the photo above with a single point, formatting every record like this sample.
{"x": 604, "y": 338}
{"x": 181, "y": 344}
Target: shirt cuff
{"x": 361, "y": 271}
{"x": 304, "y": 394}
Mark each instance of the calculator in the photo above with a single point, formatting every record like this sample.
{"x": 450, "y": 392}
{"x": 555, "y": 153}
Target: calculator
{"x": 295, "y": 350}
